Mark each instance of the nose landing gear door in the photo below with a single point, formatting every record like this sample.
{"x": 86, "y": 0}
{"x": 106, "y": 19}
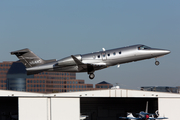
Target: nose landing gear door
{"x": 104, "y": 57}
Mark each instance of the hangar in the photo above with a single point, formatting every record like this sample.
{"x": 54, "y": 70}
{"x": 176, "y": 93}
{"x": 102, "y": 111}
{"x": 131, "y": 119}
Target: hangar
{"x": 107, "y": 104}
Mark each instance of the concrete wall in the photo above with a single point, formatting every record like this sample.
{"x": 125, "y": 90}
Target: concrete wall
{"x": 33, "y": 109}
{"x": 169, "y": 107}
{"x": 49, "y": 108}
{"x": 65, "y": 108}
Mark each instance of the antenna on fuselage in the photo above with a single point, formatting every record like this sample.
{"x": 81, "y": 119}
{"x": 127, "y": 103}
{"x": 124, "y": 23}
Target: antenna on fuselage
{"x": 103, "y": 49}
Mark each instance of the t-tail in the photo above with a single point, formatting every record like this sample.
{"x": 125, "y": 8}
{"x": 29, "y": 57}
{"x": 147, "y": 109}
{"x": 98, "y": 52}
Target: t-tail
{"x": 29, "y": 59}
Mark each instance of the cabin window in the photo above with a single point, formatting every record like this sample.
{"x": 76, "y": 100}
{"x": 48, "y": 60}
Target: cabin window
{"x": 119, "y": 52}
{"x": 94, "y": 56}
{"x": 114, "y": 53}
{"x": 108, "y": 54}
{"x": 143, "y": 47}
{"x": 98, "y": 56}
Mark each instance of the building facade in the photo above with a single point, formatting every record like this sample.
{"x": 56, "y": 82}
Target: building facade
{"x": 103, "y": 85}
{"x": 4, "y": 68}
{"x": 13, "y": 77}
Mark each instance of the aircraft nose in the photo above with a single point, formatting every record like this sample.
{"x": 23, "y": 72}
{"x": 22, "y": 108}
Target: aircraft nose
{"x": 159, "y": 52}
{"x": 166, "y": 51}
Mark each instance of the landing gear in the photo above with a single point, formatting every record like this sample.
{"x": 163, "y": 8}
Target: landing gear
{"x": 91, "y": 75}
{"x": 157, "y": 63}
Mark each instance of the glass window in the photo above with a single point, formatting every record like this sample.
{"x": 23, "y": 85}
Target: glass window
{"x": 114, "y": 53}
{"x": 43, "y": 85}
{"x": 43, "y": 89}
{"x": 143, "y": 47}
{"x": 98, "y": 56}
{"x": 108, "y": 54}
{"x": 119, "y": 52}
{"x": 43, "y": 81}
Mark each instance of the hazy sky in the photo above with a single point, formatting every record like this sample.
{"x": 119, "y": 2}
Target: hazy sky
{"x": 56, "y": 29}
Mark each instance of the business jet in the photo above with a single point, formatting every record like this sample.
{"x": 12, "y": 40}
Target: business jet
{"x": 88, "y": 62}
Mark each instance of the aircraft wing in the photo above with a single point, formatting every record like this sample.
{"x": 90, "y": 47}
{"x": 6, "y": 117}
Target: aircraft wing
{"x": 87, "y": 66}
{"x": 131, "y": 118}
{"x": 158, "y": 118}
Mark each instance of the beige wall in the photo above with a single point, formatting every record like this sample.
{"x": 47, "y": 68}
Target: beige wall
{"x": 169, "y": 107}
{"x": 49, "y": 108}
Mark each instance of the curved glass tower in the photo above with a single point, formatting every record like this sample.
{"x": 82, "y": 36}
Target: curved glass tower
{"x": 16, "y": 77}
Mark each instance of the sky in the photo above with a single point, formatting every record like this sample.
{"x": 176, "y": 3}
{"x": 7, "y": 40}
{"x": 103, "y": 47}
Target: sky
{"x": 57, "y": 29}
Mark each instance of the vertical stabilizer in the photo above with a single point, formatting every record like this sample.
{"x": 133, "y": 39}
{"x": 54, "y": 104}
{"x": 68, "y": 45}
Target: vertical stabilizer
{"x": 146, "y": 107}
{"x": 28, "y": 58}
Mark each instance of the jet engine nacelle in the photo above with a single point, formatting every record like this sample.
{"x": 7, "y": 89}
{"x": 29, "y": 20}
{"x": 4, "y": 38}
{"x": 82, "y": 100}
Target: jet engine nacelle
{"x": 68, "y": 61}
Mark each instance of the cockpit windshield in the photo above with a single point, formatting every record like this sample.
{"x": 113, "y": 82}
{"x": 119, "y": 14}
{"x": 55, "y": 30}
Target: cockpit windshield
{"x": 143, "y": 47}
